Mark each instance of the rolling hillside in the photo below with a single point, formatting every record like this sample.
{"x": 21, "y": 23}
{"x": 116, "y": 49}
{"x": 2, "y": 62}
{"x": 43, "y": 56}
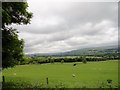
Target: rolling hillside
{"x": 103, "y": 50}
{"x": 94, "y": 51}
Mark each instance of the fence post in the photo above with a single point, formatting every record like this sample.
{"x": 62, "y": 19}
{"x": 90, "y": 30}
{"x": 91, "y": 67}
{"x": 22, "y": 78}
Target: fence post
{"x": 3, "y": 77}
{"x": 47, "y": 80}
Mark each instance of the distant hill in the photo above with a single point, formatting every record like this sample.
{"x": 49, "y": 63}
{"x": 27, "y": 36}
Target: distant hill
{"x": 94, "y": 51}
{"x": 103, "y": 50}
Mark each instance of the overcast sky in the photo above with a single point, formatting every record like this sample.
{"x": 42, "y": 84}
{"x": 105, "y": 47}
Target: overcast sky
{"x": 64, "y": 26}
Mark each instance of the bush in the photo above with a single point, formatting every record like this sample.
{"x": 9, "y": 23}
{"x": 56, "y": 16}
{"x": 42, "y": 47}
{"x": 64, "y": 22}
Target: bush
{"x": 47, "y": 61}
{"x": 52, "y": 61}
{"x": 62, "y": 61}
{"x": 84, "y": 60}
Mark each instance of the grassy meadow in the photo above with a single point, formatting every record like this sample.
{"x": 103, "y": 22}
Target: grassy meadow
{"x": 92, "y": 74}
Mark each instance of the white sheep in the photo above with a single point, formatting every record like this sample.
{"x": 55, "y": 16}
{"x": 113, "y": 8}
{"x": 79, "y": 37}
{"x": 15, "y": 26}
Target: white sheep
{"x": 14, "y": 73}
{"x": 73, "y": 75}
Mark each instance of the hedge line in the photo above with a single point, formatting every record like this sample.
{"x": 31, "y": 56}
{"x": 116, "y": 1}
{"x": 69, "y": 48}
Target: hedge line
{"x": 43, "y": 59}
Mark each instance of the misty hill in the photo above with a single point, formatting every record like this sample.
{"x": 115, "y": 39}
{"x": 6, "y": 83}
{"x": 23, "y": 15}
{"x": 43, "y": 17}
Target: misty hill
{"x": 106, "y": 50}
{"x": 103, "y": 50}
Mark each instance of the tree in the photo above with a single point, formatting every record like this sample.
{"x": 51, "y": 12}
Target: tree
{"x": 12, "y": 50}
{"x": 62, "y": 61}
{"x": 15, "y": 12}
{"x": 52, "y": 61}
{"x": 84, "y": 60}
{"x": 12, "y": 46}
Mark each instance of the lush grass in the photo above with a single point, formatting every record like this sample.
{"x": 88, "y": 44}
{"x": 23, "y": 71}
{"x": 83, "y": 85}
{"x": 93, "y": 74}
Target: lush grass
{"x": 92, "y": 74}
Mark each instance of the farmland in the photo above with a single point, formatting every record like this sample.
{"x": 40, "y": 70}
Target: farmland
{"x": 60, "y": 75}
{"x": 59, "y": 45}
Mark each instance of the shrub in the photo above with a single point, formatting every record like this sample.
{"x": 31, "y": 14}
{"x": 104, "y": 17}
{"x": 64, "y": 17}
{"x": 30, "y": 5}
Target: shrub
{"x": 52, "y": 61}
{"x": 84, "y": 60}
{"x": 47, "y": 61}
{"x": 62, "y": 61}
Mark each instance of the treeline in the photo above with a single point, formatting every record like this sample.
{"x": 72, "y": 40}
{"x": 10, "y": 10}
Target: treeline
{"x": 52, "y": 59}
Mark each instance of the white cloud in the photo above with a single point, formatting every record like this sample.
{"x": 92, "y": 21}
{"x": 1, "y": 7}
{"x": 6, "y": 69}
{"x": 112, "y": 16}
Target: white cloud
{"x": 63, "y": 26}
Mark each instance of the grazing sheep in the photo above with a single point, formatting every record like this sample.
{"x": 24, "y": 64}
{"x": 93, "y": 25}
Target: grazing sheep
{"x": 74, "y": 64}
{"x": 73, "y": 75}
{"x": 14, "y": 73}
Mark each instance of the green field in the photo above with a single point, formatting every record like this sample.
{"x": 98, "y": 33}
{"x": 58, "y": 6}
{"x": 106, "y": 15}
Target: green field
{"x": 92, "y": 74}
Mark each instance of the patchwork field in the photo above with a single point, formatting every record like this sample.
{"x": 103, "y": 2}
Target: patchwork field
{"x": 92, "y": 74}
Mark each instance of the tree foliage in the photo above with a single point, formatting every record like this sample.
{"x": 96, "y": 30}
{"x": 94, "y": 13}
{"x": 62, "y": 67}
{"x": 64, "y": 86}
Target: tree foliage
{"x": 15, "y": 12}
{"x": 12, "y": 46}
{"x": 12, "y": 50}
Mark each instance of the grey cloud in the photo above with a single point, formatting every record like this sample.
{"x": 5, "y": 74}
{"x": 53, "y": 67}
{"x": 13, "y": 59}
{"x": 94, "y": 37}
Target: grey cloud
{"x": 93, "y": 12}
{"x": 63, "y": 26}
{"x": 63, "y": 16}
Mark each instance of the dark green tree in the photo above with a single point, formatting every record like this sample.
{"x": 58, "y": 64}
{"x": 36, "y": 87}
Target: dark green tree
{"x": 15, "y": 12}
{"x": 12, "y": 46}
{"x": 84, "y": 60}
{"x": 62, "y": 61}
